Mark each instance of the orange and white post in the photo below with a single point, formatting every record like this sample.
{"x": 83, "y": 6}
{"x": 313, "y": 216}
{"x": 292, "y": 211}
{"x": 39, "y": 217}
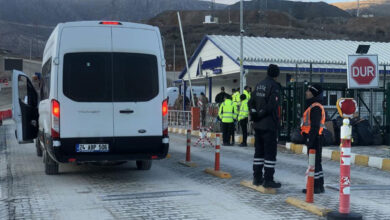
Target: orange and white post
{"x": 216, "y": 170}
{"x": 310, "y": 177}
{"x": 187, "y": 162}
{"x": 188, "y": 151}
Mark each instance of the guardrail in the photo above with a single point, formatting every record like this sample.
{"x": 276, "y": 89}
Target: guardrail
{"x": 179, "y": 118}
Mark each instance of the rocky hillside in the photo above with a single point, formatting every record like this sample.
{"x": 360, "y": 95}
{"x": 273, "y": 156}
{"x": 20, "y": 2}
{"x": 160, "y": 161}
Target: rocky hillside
{"x": 367, "y": 7}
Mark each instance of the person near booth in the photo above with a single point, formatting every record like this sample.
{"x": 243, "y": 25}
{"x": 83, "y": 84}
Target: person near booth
{"x": 313, "y": 124}
{"x": 243, "y": 119}
{"x": 264, "y": 111}
{"x": 227, "y": 114}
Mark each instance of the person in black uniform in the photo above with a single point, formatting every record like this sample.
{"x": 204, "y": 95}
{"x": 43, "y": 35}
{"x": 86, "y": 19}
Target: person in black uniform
{"x": 220, "y": 96}
{"x": 311, "y": 128}
{"x": 264, "y": 110}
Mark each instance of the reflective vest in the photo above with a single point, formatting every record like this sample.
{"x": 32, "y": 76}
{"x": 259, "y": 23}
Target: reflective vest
{"x": 243, "y": 110}
{"x": 227, "y": 111}
{"x": 306, "y": 123}
{"x": 248, "y": 95}
{"x": 236, "y": 98}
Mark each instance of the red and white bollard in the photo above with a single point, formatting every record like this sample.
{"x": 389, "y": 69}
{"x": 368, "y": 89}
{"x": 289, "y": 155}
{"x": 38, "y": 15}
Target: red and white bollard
{"x": 345, "y": 176}
{"x": 310, "y": 177}
{"x": 188, "y": 151}
{"x": 217, "y": 152}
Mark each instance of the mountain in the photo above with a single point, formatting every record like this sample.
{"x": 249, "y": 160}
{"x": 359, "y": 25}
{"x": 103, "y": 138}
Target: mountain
{"x": 51, "y": 12}
{"x": 367, "y": 7}
{"x": 299, "y": 10}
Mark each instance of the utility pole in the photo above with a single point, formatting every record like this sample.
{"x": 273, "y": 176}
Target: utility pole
{"x": 242, "y": 77}
{"x": 358, "y": 8}
{"x": 174, "y": 57}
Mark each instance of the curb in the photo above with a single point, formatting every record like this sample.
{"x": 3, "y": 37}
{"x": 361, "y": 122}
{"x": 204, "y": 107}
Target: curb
{"x": 357, "y": 159}
{"x": 310, "y": 207}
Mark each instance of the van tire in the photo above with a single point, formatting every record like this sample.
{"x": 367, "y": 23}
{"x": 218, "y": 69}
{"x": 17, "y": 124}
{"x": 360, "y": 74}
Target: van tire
{"x": 51, "y": 167}
{"x": 144, "y": 164}
{"x": 39, "y": 149}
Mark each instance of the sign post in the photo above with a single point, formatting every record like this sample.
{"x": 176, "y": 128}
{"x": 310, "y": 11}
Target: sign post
{"x": 363, "y": 73}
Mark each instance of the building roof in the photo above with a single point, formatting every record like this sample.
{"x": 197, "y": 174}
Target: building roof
{"x": 261, "y": 50}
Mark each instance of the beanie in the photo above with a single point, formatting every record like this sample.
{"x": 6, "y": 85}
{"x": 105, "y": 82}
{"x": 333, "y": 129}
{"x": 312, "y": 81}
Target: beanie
{"x": 315, "y": 89}
{"x": 273, "y": 71}
{"x": 242, "y": 97}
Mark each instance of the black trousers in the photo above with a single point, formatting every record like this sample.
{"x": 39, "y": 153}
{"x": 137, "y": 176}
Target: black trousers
{"x": 318, "y": 173}
{"x": 227, "y": 131}
{"x": 265, "y": 154}
{"x": 244, "y": 127}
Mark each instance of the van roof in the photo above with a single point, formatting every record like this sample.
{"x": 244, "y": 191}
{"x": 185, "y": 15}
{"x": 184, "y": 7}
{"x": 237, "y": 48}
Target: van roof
{"x": 98, "y": 24}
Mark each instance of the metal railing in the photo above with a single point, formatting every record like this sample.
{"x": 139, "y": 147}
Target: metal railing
{"x": 179, "y": 118}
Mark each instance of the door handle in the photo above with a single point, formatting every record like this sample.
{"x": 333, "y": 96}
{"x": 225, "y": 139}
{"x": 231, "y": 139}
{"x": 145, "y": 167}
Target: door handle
{"x": 126, "y": 111}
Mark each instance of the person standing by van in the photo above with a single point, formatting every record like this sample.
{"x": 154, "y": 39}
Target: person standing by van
{"x": 227, "y": 113}
{"x": 313, "y": 124}
{"x": 264, "y": 110}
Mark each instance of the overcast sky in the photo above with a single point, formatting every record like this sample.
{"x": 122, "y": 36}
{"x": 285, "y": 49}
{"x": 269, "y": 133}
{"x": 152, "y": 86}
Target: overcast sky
{"x": 328, "y": 1}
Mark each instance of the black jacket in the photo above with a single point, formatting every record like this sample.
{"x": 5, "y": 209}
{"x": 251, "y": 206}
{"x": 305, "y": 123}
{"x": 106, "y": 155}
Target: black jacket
{"x": 315, "y": 117}
{"x": 219, "y": 98}
{"x": 264, "y": 105}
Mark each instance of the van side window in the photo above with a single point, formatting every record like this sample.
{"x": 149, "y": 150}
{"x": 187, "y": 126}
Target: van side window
{"x": 45, "y": 80}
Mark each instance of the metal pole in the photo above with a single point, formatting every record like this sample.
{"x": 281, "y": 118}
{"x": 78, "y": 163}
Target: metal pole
{"x": 210, "y": 89}
{"x": 185, "y": 57}
{"x": 358, "y": 9}
{"x": 242, "y": 77}
{"x": 311, "y": 72}
{"x": 371, "y": 107}
{"x": 174, "y": 57}
{"x": 384, "y": 94}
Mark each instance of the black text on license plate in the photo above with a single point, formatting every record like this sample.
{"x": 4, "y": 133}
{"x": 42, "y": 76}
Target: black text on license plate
{"x": 92, "y": 148}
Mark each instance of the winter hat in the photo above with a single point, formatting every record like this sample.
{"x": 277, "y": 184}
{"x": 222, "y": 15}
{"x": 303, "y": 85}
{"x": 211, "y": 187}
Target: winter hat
{"x": 242, "y": 97}
{"x": 273, "y": 71}
{"x": 315, "y": 89}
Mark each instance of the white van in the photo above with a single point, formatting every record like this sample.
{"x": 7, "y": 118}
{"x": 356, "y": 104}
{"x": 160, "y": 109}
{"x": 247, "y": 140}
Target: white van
{"x": 102, "y": 96}
{"x": 173, "y": 94}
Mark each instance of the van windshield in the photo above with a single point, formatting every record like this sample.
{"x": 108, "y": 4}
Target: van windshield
{"x": 107, "y": 77}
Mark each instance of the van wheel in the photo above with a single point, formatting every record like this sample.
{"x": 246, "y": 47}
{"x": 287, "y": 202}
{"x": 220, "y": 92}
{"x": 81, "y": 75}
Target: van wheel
{"x": 51, "y": 167}
{"x": 144, "y": 164}
{"x": 39, "y": 149}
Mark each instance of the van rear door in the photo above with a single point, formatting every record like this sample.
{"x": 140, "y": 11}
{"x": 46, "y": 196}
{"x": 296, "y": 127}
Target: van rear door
{"x": 137, "y": 82}
{"x": 85, "y": 82}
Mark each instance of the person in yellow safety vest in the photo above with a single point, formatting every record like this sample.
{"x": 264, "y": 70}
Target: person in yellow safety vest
{"x": 227, "y": 114}
{"x": 247, "y": 93}
{"x": 236, "y": 97}
{"x": 243, "y": 119}
{"x": 312, "y": 126}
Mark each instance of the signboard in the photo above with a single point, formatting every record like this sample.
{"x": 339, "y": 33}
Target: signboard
{"x": 13, "y": 64}
{"x": 363, "y": 71}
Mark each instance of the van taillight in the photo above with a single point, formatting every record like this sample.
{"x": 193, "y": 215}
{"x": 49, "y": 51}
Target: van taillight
{"x": 110, "y": 23}
{"x": 55, "y": 119}
{"x": 165, "y": 107}
{"x": 165, "y": 117}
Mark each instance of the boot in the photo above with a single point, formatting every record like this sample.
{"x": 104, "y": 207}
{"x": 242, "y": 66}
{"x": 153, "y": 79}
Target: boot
{"x": 271, "y": 184}
{"x": 258, "y": 180}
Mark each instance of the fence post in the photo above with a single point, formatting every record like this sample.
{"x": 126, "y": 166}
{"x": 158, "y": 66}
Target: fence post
{"x": 310, "y": 177}
{"x": 217, "y": 153}
{"x": 188, "y": 152}
{"x": 345, "y": 176}
{"x": 195, "y": 119}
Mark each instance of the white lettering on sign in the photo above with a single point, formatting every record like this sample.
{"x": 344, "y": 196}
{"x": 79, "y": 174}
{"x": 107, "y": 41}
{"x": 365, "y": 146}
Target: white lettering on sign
{"x": 360, "y": 71}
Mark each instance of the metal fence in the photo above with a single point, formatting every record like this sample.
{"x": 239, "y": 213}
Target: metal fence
{"x": 179, "y": 118}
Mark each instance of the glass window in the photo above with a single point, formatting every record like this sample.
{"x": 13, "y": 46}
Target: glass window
{"x": 44, "y": 82}
{"x": 135, "y": 77}
{"x": 87, "y": 77}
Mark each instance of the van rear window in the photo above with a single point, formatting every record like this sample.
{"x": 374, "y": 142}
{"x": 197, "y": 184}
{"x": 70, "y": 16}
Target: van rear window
{"x": 135, "y": 77}
{"x": 107, "y": 77}
{"x": 87, "y": 77}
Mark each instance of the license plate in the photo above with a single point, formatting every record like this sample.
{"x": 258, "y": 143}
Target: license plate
{"x": 92, "y": 148}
